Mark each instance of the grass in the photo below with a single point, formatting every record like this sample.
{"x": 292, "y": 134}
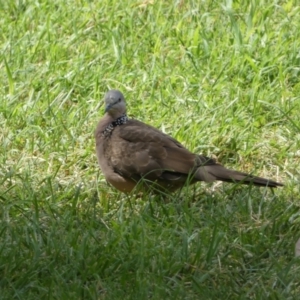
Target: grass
{"x": 220, "y": 76}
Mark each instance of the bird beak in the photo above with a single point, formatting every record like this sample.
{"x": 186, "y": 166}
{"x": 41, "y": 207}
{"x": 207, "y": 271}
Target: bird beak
{"x": 108, "y": 107}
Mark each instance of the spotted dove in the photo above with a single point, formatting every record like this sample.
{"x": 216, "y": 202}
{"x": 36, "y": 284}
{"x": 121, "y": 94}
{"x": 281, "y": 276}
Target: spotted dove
{"x": 130, "y": 152}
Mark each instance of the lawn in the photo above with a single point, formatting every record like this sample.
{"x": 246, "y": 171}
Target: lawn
{"x": 222, "y": 77}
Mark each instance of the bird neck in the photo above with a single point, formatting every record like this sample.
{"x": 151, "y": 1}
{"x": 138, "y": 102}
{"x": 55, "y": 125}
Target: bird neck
{"x": 123, "y": 119}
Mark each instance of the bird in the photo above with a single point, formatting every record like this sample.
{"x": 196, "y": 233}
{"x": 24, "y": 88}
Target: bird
{"x": 131, "y": 153}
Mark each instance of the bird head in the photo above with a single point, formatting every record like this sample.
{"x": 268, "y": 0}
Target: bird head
{"x": 115, "y": 103}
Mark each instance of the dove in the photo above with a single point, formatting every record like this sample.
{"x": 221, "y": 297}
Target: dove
{"x": 130, "y": 152}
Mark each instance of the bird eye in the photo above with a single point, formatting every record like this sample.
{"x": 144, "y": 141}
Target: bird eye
{"x": 119, "y": 100}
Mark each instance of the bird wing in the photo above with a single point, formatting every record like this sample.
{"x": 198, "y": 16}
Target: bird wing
{"x": 138, "y": 150}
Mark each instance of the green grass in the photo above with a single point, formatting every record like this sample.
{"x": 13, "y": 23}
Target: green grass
{"x": 221, "y": 77}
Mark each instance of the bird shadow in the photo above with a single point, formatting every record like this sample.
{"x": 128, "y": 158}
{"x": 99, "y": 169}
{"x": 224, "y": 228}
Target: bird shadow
{"x": 202, "y": 197}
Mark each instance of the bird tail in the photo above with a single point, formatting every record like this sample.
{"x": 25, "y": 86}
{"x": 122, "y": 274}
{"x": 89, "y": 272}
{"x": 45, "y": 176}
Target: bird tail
{"x": 218, "y": 172}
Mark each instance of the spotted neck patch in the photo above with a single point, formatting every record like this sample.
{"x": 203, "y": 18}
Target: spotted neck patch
{"x": 118, "y": 122}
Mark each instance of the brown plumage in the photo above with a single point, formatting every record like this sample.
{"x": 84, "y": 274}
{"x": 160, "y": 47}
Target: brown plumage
{"x": 129, "y": 150}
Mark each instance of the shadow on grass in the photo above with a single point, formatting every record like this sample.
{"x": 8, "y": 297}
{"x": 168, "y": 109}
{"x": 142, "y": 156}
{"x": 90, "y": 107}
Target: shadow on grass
{"x": 226, "y": 242}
